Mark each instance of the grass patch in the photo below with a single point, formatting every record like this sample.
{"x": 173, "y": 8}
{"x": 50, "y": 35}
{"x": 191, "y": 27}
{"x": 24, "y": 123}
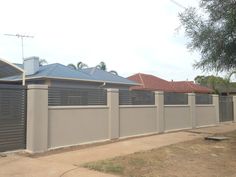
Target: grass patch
{"x": 197, "y": 158}
{"x": 106, "y": 166}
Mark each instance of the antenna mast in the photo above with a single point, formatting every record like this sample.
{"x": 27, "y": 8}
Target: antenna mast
{"x": 22, "y": 41}
{"x": 178, "y": 4}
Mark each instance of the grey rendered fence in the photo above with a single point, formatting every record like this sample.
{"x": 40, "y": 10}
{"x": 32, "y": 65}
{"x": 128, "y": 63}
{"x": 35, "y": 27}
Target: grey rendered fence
{"x": 175, "y": 98}
{"x": 12, "y": 117}
{"x": 127, "y": 97}
{"x": 60, "y": 96}
{"x": 203, "y": 99}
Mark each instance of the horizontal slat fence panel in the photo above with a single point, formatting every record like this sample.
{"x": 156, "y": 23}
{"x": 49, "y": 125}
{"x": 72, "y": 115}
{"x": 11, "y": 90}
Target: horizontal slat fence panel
{"x": 226, "y": 110}
{"x": 60, "y": 96}
{"x": 127, "y": 97}
{"x": 175, "y": 98}
{"x": 12, "y": 117}
{"x": 203, "y": 99}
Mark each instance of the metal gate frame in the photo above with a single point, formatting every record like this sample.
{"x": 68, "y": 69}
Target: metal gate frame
{"x": 226, "y": 108}
{"x": 13, "y": 116}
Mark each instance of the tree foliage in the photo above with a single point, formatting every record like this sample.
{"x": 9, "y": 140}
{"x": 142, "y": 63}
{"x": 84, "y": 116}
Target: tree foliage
{"x": 42, "y": 62}
{"x": 80, "y": 65}
{"x": 216, "y": 83}
{"x": 102, "y": 65}
{"x": 113, "y": 72}
{"x": 212, "y": 31}
{"x": 72, "y": 66}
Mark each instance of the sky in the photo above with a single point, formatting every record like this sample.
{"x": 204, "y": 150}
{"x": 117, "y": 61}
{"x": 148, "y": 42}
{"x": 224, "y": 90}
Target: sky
{"x": 130, "y": 36}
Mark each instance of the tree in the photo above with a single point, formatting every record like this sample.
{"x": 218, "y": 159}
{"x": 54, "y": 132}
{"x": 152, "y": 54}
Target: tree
{"x": 218, "y": 84}
{"x": 72, "y": 66}
{"x": 212, "y": 82}
{"x": 80, "y": 65}
{"x": 42, "y": 62}
{"x": 227, "y": 82}
{"x": 231, "y": 74}
{"x": 212, "y": 33}
{"x": 113, "y": 72}
{"x": 200, "y": 80}
{"x": 102, "y": 66}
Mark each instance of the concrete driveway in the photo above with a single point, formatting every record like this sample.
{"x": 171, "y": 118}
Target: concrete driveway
{"x": 67, "y": 163}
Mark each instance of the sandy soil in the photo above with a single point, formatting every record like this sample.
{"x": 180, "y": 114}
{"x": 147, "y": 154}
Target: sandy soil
{"x": 197, "y": 158}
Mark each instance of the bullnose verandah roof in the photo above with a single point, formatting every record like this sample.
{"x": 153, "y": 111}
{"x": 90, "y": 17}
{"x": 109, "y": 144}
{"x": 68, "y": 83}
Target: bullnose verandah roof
{"x": 8, "y": 69}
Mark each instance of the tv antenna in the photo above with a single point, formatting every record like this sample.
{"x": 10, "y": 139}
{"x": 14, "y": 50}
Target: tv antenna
{"x": 178, "y": 4}
{"x": 22, "y": 41}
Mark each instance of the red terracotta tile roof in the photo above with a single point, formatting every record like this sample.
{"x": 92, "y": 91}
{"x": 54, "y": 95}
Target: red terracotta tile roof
{"x": 153, "y": 83}
{"x": 149, "y": 82}
{"x": 189, "y": 87}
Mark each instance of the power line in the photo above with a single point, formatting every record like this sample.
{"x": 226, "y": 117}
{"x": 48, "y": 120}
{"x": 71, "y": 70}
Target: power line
{"x": 178, "y": 4}
{"x": 22, "y": 41}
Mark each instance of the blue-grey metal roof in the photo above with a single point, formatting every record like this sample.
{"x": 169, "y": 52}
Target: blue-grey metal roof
{"x": 59, "y": 71}
{"x": 107, "y": 76}
{"x": 9, "y": 69}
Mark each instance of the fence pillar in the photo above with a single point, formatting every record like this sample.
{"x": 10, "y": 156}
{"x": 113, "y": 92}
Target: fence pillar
{"x": 192, "y": 104}
{"x": 37, "y": 118}
{"x": 216, "y": 104}
{"x": 234, "y": 108}
{"x": 114, "y": 122}
{"x": 159, "y": 101}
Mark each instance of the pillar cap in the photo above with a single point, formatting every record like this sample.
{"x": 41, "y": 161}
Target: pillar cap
{"x": 191, "y": 94}
{"x": 159, "y": 92}
{"x": 36, "y": 86}
{"x": 215, "y": 95}
{"x": 113, "y": 90}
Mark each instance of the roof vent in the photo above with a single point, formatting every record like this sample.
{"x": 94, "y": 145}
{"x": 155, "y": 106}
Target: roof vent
{"x": 31, "y": 65}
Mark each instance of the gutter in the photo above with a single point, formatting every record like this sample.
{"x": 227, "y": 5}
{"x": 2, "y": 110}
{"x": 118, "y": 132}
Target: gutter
{"x": 103, "y": 85}
{"x": 73, "y": 79}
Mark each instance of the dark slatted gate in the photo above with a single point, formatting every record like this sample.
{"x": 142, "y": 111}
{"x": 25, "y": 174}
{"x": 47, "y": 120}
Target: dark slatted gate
{"x": 12, "y": 117}
{"x": 226, "y": 108}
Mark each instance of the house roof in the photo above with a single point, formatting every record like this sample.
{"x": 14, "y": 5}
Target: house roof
{"x": 8, "y": 69}
{"x": 59, "y": 71}
{"x": 150, "y": 82}
{"x": 188, "y": 87}
{"x": 107, "y": 76}
{"x": 153, "y": 83}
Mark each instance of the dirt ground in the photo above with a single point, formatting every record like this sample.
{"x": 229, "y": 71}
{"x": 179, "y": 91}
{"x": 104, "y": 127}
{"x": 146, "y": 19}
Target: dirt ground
{"x": 196, "y": 158}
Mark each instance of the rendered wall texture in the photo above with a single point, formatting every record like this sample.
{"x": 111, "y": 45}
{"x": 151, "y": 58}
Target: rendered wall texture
{"x": 177, "y": 117}
{"x": 71, "y": 126}
{"x": 52, "y": 127}
{"x": 205, "y": 115}
{"x": 137, "y": 120}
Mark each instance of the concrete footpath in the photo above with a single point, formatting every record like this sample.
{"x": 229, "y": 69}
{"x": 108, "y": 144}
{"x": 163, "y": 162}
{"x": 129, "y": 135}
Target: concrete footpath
{"x": 68, "y": 163}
